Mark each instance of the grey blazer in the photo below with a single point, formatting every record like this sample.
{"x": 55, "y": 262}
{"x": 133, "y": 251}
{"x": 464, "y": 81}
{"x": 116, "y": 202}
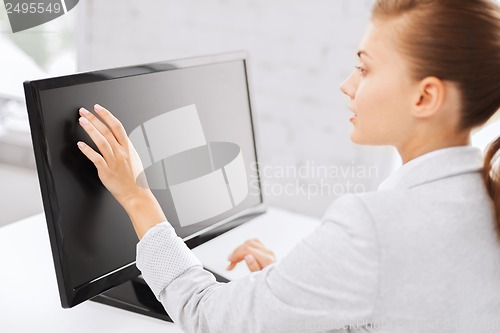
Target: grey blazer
{"x": 419, "y": 255}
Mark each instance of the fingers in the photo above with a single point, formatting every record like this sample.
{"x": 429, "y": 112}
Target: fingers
{"x": 101, "y": 127}
{"x": 101, "y": 142}
{"x": 256, "y": 250}
{"x": 252, "y": 264}
{"x": 232, "y": 265}
{"x": 238, "y": 252}
{"x": 92, "y": 155}
{"x": 241, "y": 251}
{"x": 114, "y": 124}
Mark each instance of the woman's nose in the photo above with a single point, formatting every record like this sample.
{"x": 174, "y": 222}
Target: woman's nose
{"x": 347, "y": 87}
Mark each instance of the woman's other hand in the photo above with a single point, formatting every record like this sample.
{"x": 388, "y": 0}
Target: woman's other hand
{"x": 255, "y": 254}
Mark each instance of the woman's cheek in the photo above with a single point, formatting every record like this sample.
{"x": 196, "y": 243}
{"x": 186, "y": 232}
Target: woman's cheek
{"x": 366, "y": 101}
{"x": 371, "y": 118}
{"x": 358, "y": 99}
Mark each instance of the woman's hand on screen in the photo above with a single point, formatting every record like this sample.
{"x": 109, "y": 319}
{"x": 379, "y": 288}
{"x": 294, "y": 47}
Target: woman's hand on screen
{"x": 119, "y": 166}
{"x": 117, "y": 162}
{"x": 255, "y": 254}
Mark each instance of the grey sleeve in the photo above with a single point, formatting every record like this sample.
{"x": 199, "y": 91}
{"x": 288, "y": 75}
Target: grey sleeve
{"x": 328, "y": 281}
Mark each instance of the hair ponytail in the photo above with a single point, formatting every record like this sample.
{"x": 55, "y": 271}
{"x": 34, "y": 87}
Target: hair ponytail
{"x": 491, "y": 172}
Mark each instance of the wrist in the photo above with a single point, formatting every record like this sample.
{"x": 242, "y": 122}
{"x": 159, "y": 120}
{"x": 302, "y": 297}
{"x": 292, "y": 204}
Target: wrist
{"x": 144, "y": 211}
{"x": 135, "y": 198}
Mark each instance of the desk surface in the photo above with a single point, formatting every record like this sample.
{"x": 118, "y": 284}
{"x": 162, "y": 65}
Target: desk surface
{"x": 29, "y": 298}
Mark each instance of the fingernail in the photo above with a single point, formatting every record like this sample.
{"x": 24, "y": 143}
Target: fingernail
{"x": 83, "y": 111}
{"x": 80, "y": 144}
{"x": 83, "y": 121}
{"x": 97, "y": 107}
{"x": 248, "y": 258}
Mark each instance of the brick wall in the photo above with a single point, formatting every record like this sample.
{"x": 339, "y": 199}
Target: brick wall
{"x": 300, "y": 52}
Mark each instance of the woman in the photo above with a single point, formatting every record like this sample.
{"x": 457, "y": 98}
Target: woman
{"x": 420, "y": 254}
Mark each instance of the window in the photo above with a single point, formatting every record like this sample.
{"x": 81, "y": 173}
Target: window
{"x": 42, "y": 51}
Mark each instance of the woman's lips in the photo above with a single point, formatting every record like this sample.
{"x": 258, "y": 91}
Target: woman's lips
{"x": 353, "y": 117}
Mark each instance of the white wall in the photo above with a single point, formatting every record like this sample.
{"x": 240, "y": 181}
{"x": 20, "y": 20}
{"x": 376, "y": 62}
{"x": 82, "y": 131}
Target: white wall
{"x": 300, "y": 51}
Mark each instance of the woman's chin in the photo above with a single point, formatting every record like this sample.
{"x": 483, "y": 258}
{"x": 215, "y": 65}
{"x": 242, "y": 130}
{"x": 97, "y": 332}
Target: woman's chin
{"x": 357, "y": 138}
{"x": 360, "y": 139}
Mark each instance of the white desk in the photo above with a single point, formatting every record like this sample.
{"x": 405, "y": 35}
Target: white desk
{"x": 29, "y": 298}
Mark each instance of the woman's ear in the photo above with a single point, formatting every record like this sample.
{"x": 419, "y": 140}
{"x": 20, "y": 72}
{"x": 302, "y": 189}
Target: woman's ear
{"x": 429, "y": 98}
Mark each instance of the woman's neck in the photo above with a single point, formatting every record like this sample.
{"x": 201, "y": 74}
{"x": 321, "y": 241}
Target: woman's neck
{"x": 416, "y": 148}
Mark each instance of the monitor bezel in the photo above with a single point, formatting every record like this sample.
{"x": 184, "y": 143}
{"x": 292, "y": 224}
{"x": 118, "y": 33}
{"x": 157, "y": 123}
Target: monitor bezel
{"x": 70, "y": 295}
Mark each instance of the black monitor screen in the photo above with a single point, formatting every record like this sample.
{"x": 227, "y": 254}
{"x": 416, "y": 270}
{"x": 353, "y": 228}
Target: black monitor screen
{"x": 191, "y": 124}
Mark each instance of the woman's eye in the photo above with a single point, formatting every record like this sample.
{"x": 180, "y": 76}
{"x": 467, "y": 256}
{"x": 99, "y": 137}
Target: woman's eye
{"x": 362, "y": 70}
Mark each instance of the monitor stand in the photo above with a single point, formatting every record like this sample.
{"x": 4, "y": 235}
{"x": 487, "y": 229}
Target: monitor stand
{"x": 136, "y": 296}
